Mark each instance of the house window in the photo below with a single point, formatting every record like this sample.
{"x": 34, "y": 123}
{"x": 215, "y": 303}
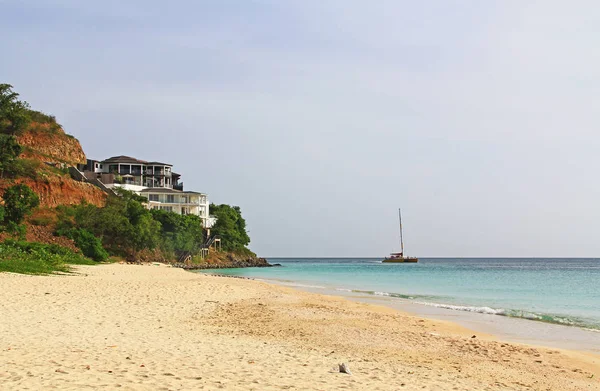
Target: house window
{"x": 167, "y": 208}
{"x": 153, "y": 197}
{"x": 170, "y": 198}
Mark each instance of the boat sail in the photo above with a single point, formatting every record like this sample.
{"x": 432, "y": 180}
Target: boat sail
{"x": 399, "y": 257}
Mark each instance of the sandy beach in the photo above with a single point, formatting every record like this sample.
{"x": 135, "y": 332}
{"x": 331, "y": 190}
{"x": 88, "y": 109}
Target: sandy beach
{"x": 160, "y": 328}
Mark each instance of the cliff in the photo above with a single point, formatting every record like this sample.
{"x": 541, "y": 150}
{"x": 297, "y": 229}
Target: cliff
{"x": 47, "y": 152}
{"x": 62, "y": 190}
{"x": 49, "y": 143}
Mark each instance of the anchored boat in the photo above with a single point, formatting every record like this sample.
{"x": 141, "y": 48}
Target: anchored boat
{"x": 399, "y": 257}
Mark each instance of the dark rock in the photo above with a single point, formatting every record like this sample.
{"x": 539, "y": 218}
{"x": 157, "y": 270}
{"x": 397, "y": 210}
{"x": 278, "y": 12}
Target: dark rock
{"x": 231, "y": 261}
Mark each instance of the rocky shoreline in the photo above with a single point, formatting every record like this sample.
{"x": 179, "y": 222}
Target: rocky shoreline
{"x": 230, "y": 261}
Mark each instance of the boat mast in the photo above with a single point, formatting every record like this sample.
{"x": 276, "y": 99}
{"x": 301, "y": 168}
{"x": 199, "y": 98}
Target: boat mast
{"x": 401, "y": 240}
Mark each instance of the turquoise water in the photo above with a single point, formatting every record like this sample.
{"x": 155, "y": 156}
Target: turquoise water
{"x": 563, "y": 291}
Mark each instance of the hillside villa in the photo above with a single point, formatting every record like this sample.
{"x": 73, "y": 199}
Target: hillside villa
{"x": 154, "y": 180}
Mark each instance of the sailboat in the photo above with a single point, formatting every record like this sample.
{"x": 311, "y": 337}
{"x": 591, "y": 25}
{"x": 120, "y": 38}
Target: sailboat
{"x": 399, "y": 257}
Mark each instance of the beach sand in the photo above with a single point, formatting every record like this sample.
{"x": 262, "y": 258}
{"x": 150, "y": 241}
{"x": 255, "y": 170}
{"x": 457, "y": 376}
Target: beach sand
{"x": 160, "y": 328}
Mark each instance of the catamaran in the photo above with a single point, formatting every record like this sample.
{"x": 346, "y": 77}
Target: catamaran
{"x": 399, "y": 257}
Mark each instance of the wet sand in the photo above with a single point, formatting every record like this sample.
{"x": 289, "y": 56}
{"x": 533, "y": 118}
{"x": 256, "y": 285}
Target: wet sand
{"x": 159, "y": 328}
{"x": 502, "y": 327}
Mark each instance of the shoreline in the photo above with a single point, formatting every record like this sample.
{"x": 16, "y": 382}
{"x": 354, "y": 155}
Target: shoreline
{"x": 506, "y": 328}
{"x": 146, "y": 327}
{"x": 510, "y": 328}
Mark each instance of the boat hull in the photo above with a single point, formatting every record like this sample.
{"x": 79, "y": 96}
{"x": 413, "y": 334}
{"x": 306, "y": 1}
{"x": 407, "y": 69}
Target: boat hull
{"x": 401, "y": 260}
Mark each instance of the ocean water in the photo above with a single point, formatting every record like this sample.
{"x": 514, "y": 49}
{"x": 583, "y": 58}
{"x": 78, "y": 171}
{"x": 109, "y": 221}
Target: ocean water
{"x": 561, "y": 291}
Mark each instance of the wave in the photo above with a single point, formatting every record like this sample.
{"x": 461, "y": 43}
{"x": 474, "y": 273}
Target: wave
{"x": 479, "y": 310}
{"x": 387, "y": 294}
{"x": 565, "y": 320}
{"x": 296, "y": 284}
{"x": 438, "y": 302}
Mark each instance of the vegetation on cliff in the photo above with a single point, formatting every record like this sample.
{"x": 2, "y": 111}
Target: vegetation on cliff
{"x": 35, "y": 154}
{"x": 126, "y": 228}
{"x": 14, "y": 114}
{"x": 34, "y": 150}
{"x": 19, "y": 201}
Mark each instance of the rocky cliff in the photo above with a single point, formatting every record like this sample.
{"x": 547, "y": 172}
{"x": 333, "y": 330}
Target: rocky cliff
{"x": 62, "y": 190}
{"x": 49, "y": 143}
{"x": 48, "y": 151}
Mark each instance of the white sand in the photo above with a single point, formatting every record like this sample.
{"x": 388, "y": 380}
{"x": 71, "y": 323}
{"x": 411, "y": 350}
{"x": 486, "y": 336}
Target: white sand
{"x": 159, "y": 328}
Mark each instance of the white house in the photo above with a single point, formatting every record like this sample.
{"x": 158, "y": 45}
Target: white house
{"x": 153, "y": 180}
{"x": 180, "y": 202}
{"x": 134, "y": 174}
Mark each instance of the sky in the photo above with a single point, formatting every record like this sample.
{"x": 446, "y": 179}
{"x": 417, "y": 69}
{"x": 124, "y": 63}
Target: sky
{"x": 321, "y": 118}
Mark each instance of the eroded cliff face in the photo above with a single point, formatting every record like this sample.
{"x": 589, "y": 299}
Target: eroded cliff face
{"x": 62, "y": 190}
{"x": 52, "y": 150}
{"x": 51, "y": 145}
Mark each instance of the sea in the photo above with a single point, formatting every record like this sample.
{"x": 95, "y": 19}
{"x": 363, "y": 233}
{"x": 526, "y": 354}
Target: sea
{"x": 556, "y": 291}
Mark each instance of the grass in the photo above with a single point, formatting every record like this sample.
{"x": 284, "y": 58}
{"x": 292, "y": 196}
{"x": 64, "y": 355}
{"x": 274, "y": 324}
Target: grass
{"x": 41, "y": 220}
{"x": 38, "y": 258}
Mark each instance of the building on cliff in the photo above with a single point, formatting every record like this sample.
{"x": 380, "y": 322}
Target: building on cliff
{"x": 154, "y": 180}
{"x": 133, "y": 174}
{"x": 180, "y": 202}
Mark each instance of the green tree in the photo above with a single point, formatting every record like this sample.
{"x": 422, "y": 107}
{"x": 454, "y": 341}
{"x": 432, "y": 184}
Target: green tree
{"x": 180, "y": 233}
{"x": 19, "y": 201}
{"x": 109, "y": 223}
{"x": 124, "y": 225}
{"x": 90, "y": 245}
{"x": 230, "y": 227}
{"x": 145, "y": 231}
{"x": 9, "y": 152}
{"x": 14, "y": 114}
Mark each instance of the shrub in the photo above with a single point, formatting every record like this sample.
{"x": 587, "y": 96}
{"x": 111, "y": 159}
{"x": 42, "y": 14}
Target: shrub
{"x": 28, "y": 168}
{"x": 41, "y": 220}
{"x": 9, "y": 152}
{"x": 37, "y": 258}
{"x": 90, "y": 245}
{"x": 43, "y": 118}
{"x": 14, "y": 114}
{"x": 19, "y": 201}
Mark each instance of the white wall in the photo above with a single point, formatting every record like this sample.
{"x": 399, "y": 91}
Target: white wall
{"x": 134, "y": 188}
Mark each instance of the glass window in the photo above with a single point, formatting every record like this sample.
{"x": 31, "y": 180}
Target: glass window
{"x": 153, "y": 197}
{"x": 170, "y": 198}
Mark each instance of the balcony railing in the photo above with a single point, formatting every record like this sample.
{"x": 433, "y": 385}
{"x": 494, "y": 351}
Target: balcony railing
{"x": 181, "y": 201}
{"x": 178, "y": 201}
